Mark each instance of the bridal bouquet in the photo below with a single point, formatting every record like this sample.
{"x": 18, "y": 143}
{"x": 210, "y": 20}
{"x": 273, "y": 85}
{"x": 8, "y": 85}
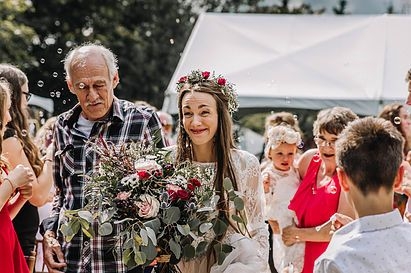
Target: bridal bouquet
{"x": 157, "y": 211}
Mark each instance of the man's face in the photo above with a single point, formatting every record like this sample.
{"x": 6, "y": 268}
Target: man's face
{"x": 91, "y": 83}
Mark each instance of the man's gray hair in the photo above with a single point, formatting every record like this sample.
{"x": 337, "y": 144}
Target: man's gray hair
{"x": 87, "y": 48}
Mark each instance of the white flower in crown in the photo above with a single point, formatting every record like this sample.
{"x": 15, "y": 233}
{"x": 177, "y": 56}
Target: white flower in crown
{"x": 282, "y": 134}
{"x": 196, "y": 77}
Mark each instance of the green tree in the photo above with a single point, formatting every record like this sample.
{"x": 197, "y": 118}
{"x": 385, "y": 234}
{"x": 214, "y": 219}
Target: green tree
{"x": 16, "y": 38}
{"x": 147, "y": 36}
{"x": 341, "y": 8}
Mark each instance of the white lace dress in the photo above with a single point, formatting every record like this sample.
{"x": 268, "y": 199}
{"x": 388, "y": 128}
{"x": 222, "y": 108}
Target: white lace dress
{"x": 283, "y": 185}
{"x": 250, "y": 255}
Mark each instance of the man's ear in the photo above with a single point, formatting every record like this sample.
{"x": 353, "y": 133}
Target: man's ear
{"x": 70, "y": 86}
{"x": 342, "y": 177}
{"x": 399, "y": 177}
{"x": 116, "y": 80}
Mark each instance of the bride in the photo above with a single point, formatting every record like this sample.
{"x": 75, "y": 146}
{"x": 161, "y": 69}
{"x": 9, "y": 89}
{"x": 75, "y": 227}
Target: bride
{"x": 206, "y": 103}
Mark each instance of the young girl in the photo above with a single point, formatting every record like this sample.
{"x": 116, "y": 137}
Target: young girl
{"x": 281, "y": 181}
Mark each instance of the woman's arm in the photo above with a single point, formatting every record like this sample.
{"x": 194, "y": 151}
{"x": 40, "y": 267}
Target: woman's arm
{"x": 13, "y": 151}
{"x": 304, "y": 161}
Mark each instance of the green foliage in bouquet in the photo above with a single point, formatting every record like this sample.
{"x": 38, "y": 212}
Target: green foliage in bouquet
{"x": 156, "y": 210}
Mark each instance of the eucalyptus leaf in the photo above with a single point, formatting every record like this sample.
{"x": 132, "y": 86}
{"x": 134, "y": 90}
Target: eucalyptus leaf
{"x": 105, "y": 229}
{"x": 154, "y": 224}
{"x": 175, "y": 248}
{"x": 144, "y": 236}
{"x": 204, "y": 227}
{"x": 86, "y": 215}
{"x": 184, "y": 229}
{"x": 237, "y": 218}
{"x": 84, "y": 223}
{"x": 172, "y": 215}
{"x": 150, "y": 251}
{"x": 128, "y": 243}
{"x": 238, "y": 203}
{"x": 189, "y": 251}
{"x": 227, "y": 184}
{"x": 152, "y": 235}
{"x": 88, "y": 232}
{"x": 201, "y": 248}
{"x": 219, "y": 227}
{"x": 140, "y": 257}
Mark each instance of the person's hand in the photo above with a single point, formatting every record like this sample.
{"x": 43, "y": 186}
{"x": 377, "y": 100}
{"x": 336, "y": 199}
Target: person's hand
{"x": 274, "y": 226}
{"x": 405, "y": 187}
{"x": 20, "y": 176}
{"x": 339, "y": 221}
{"x": 290, "y": 235}
{"x": 26, "y": 191}
{"x": 266, "y": 182}
{"x": 52, "y": 254}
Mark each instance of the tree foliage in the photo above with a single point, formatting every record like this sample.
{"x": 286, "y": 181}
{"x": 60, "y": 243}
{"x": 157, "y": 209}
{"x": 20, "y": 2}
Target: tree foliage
{"x": 148, "y": 37}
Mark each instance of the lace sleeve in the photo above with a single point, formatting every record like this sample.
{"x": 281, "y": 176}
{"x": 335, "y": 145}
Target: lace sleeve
{"x": 251, "y": 186}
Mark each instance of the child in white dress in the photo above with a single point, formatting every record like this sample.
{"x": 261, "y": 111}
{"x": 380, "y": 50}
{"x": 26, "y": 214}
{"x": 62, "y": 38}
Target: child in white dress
{"x": 281, "y": 181}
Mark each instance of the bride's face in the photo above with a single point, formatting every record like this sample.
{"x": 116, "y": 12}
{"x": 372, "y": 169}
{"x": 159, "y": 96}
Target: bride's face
{"x": 200, "y": 117}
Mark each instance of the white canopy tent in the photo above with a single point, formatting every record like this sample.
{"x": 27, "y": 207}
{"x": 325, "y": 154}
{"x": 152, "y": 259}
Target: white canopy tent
{"x": 302, "y": 61}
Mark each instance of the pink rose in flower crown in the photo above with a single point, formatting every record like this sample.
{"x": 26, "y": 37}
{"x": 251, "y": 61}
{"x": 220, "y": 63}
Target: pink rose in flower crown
{"x": 205, "y": 75}
{"x": 148, "y": 207}
{"x": 183, "y": 79}
{"x": 221, "y": 81}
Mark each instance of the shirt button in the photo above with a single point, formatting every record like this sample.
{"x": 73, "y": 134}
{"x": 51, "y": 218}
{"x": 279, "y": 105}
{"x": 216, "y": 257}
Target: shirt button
{"x": 86, "y": 243}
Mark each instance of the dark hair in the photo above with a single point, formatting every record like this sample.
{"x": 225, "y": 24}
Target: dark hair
{"x": 19, "y": 116}
{"x": 4, "y": 89}
{"x": 333, "y": 120}
{"x": 369, "y": 151}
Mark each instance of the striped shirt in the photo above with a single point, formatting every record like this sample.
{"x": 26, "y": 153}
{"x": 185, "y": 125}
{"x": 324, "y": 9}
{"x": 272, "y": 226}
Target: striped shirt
{"x": 74, "y": 159}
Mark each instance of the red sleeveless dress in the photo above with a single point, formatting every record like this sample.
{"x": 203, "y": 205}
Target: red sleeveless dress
{"x": 11, "y": 256}
{"x": 314, "y": 206}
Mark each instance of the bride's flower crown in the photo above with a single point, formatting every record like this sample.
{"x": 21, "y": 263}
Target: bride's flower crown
{"x": 197, "y": 77}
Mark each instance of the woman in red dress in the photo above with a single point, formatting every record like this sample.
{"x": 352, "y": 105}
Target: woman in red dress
{"x": 318, "y": 196}
{"x": 15, "y": 189}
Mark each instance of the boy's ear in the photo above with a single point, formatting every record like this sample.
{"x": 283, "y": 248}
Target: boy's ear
{"x": 342, "y": 177}
{"x": 398, "y": 178}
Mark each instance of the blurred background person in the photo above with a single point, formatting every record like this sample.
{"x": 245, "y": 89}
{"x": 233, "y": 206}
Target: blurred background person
{"x": 398, "y": 115}
{"x": 19, "y": 148}
{"x": 167, "y": 126}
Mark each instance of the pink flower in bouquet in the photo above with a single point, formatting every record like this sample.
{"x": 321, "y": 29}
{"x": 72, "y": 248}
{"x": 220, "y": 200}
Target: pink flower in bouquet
{"x": 143, "y": 175}
{"x": 123, "y": 195}
{"x": 172, "y": 191}
{"x": 148, "y": 206}
{"x": 146, "y": 168}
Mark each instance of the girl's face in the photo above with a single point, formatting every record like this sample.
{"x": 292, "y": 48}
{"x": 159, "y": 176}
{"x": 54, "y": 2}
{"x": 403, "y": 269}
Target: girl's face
{"x": 405, "y": 121}
{"x": 6, "y": 114}
{"x": 326, "y": 147}
{"x": 283, "y": 155}
{"x": 200, "y": 118}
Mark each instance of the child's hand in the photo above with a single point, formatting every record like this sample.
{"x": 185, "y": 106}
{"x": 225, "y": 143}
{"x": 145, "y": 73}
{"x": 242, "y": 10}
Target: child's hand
{"x": 266, "y": 182}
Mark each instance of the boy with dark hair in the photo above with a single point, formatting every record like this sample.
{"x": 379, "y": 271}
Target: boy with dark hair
{"x": 369, "y": 157}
